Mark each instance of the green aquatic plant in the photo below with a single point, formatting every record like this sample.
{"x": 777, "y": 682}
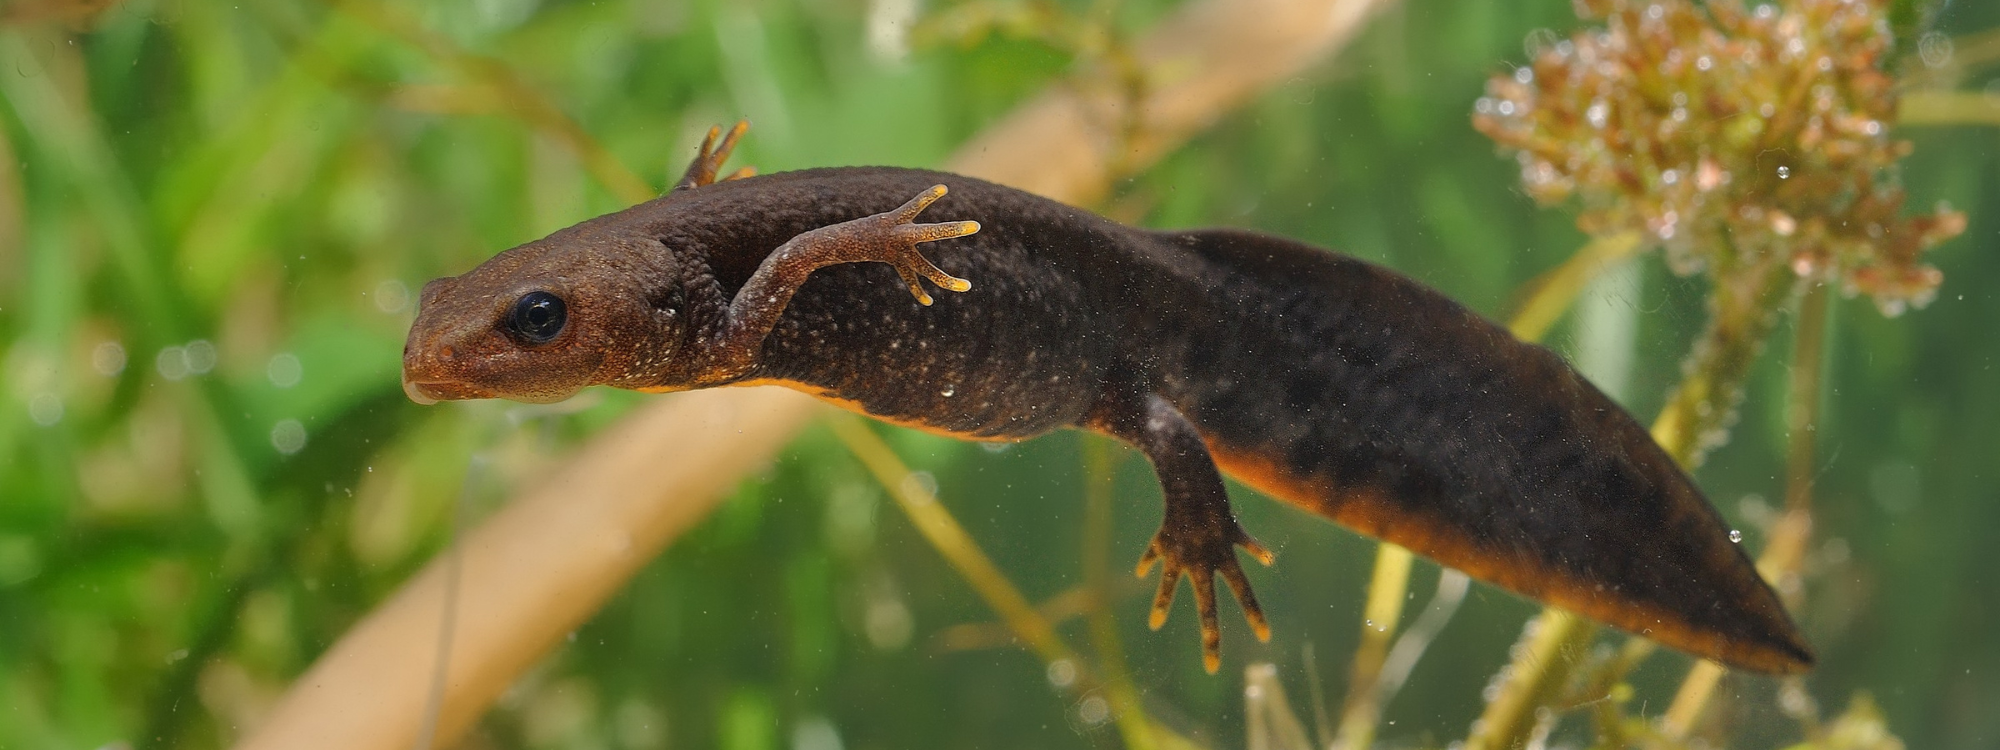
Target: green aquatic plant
{"x": 1753, "y": 145}
{"x": 1735, "y": 138}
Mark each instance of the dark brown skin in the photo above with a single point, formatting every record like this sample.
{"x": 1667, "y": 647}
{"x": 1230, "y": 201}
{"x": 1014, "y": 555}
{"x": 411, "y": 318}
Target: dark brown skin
{"x": 1335, "y": 385}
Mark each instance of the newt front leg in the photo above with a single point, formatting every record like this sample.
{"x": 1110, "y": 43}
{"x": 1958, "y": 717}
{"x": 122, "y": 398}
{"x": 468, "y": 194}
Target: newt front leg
{"x": 1199, "y": 535}
{"x": 889, "y": 237}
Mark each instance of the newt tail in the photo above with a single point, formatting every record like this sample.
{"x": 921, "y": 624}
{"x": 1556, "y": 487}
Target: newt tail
{"x": 1337, "y": 386}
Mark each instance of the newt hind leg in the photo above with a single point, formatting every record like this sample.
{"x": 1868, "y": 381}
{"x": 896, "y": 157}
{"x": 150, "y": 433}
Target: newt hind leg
{"x": 1199, "y": 535}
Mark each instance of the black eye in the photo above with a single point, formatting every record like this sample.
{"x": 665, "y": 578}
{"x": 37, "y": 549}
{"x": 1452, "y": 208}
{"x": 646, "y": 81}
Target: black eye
{"x": 538, "y": 317}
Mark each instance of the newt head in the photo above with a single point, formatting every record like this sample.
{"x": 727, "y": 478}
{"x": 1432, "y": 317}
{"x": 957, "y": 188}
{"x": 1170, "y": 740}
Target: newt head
{"x": 542, "y": 321}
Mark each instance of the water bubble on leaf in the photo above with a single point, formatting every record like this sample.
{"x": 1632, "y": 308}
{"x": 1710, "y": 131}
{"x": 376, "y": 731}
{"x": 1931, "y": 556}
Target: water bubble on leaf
{"x": 1767, "y": 110}
{"x": 1524, "y": 74}
{"x": 1670, "y": 177}
{"x": 1505, "y": 107}
{"x": 1784, "y": 172}
{"x": 1735, "y": 536}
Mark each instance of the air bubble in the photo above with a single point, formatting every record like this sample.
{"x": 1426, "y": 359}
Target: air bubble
{"x": 200, "y": 356}
{"x": 1735, "y": 536}
{"x": 46, "y": 409}
{"x": 1784, "y": 173}
{"x": 1093, "y": 710}
{"x": 108, "y": 359}
{"x": 284, "y": 370}
{"x": 1062, "y": 673}
{"x": 1935, "y": 49}
{"x": 288, "y": 436}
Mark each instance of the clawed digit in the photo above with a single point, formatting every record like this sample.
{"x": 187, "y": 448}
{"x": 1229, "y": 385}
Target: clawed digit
{"x": 708, "y": 162}
{"x": 911, "y": 264}
{"x": 1201, "y": 561}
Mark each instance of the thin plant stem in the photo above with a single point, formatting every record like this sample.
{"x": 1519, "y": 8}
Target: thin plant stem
{"x": 951, "y": 541}
{"x": 1387, "y": 590}
{"x": 1133, "y": 724}
{"x": 1947, "y": 108}
{"x": 1550, "y": 295}
{"x": 958, "y": 548}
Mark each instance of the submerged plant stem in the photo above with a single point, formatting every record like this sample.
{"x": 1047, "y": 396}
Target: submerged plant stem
{"x": 1946, "y": 108}
{"x": 1551, "y": 294}
{"x": 1386, "y": 594}
{"x": 1133, "y": 724}
{"x": 951, "y": 541}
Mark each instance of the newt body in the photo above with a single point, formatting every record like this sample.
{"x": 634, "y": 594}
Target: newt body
{"x": 1333, "y": 384}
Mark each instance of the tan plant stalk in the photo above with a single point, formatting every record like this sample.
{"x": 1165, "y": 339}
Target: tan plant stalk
{"x": 1133, "y": 725}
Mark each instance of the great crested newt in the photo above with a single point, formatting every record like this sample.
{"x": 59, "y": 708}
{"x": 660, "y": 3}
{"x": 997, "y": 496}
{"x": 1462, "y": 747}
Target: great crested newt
{"x": 1335, "y": 385}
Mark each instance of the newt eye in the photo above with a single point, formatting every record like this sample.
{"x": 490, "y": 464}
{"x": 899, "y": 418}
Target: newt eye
{"x": 538, "y": 317}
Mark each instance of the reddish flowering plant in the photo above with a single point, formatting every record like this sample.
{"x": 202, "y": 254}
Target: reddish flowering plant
{"x": 1733, "y": 137}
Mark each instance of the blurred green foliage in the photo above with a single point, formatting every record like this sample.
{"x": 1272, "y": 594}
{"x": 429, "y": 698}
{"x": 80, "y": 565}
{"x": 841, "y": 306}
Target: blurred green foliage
{"x": 213, "y": 218}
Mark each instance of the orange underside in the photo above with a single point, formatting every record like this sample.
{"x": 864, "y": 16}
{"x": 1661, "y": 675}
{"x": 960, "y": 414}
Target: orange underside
{"x": 1369, "y": 512}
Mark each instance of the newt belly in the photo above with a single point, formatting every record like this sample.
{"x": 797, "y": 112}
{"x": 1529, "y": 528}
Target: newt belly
{"x": 1337, "y": 386}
